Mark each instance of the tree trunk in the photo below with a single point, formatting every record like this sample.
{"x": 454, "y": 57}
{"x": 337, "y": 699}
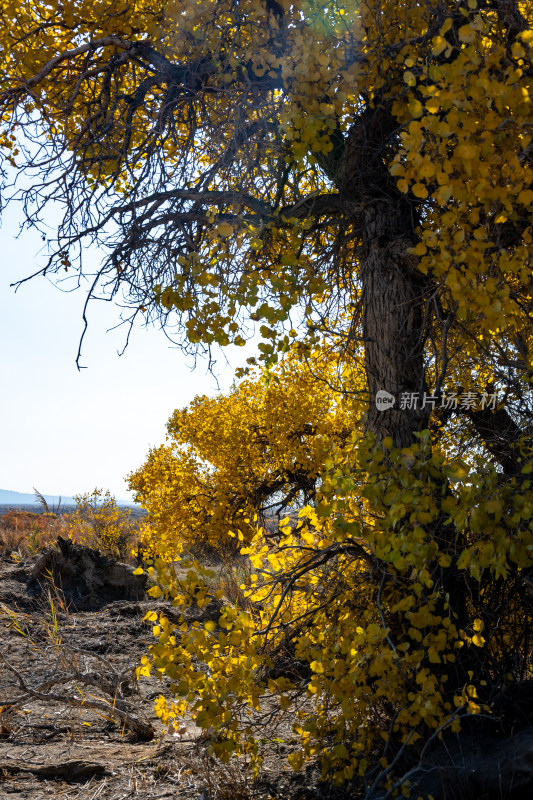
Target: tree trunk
{"x": 393, "y": 322}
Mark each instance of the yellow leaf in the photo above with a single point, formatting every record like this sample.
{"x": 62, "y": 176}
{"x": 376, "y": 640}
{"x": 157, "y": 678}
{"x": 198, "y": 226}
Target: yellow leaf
{"x": 420, "y": 190}
{"x": 525, "y": 197}
{"x": 296, "y": 760}
{"x": 443, "y": 194}
{"x": 416, "y": 108}
{"x": 432, "y": 105}
{"x": 467, "y": 150}
{"x": 307, "y": 537}
{"x": 526, "y": 36}
{"x": 225, "y": 229}
{"x": 466, "y": 33}
{"x": 439, "y": 44}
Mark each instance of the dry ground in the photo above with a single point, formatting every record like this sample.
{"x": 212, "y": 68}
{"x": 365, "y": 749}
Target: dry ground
{"x": 80, "y": 734}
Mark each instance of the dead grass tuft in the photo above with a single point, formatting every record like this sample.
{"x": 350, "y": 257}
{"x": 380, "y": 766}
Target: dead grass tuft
{"x": 224, "y": 781}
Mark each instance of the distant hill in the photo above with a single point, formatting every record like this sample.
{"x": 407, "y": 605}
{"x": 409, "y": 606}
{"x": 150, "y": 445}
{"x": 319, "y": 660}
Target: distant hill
{"x": 10, "y": 498}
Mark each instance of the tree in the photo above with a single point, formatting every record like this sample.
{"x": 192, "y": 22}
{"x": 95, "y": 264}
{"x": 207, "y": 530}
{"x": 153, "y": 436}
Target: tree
{"x": 248, "y": 458}
{"x": 399, "y": 600}
{"x": 356, "y": 177}
{"x": 208, "y": 146}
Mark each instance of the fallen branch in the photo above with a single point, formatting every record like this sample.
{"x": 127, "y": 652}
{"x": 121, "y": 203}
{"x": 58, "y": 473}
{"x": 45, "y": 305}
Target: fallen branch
{"x": 71, "y": 771}
{"x": 141, "y": 728}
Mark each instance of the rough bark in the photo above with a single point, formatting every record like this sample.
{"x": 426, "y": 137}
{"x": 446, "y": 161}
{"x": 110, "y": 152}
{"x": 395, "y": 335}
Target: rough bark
{"x": 393, "y": 290}
{"x": 501, "y": 436}
{"x": 393, "y": 323}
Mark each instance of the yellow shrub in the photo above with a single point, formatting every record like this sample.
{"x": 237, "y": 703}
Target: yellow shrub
{"x": 98, "y": 522}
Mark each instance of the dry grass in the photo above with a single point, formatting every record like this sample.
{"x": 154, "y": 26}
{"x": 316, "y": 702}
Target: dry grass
{"x": 224, "y": 781}
{"x": 25, "y": 533}
{"x": 232, "y": 576}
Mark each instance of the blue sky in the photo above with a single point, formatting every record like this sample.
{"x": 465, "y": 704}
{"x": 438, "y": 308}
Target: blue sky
{"x": 64, "y": 431}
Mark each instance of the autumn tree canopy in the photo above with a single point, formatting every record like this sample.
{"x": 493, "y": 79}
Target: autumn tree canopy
{"x": 367, "y": 166}
{"x": 248, "y": 458}
{"x": 351, "y": 178}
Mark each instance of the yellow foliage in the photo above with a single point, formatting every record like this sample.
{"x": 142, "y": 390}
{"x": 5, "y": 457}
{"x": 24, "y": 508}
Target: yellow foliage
{"x": 233, "y": 461}
{"x": 370, "y": 646}
{"x": 354, "y": 176}
{"x": 100, "y": 523}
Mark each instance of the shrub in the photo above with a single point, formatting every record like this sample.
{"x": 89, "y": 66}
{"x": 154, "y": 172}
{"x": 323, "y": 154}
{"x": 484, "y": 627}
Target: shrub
{"x": 98, "y": 522}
